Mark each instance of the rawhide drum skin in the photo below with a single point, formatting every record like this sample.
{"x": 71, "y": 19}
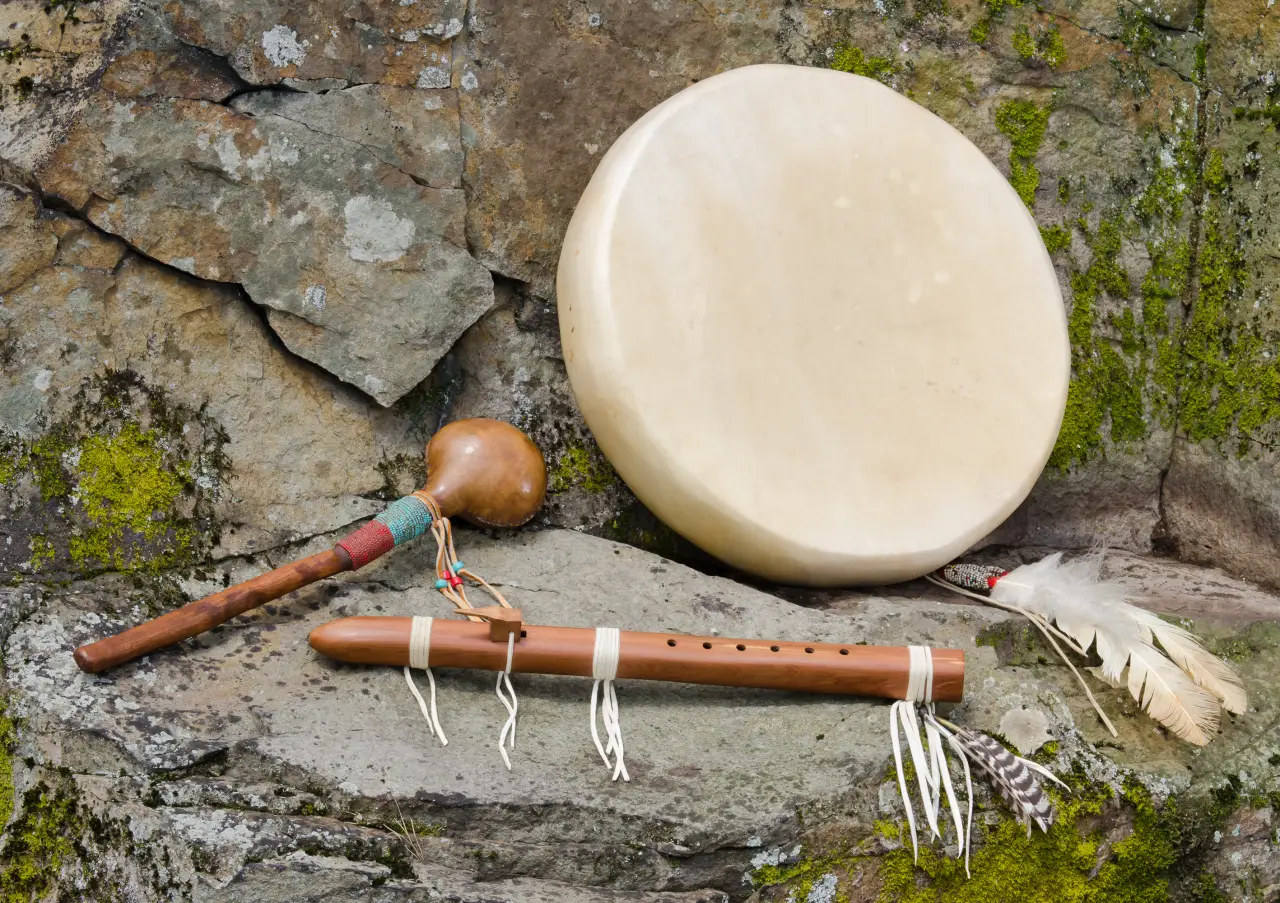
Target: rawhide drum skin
{"x": 813, "y": 327}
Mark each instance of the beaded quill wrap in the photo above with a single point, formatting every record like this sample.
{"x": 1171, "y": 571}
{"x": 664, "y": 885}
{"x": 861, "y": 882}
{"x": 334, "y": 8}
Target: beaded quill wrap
{"x": 403, "y": 520}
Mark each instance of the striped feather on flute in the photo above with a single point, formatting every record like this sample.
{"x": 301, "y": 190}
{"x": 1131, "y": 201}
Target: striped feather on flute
{"x": 1012, "y": 775}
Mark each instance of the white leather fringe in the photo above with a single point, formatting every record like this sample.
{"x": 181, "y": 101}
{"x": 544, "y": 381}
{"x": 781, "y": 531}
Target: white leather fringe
{"x": 604, "y": 668}
{"x": 509, "y": 700}
{"x": 419, "y": 657}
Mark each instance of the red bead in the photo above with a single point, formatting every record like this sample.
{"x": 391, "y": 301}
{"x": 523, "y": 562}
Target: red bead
{"x": 991, "y": 581}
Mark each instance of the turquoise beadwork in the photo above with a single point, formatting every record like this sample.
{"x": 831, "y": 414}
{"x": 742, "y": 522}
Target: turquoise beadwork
{"x": 457, "y": 566}
{"x": 407, "y": 518}
{"x": 441, "y": 584}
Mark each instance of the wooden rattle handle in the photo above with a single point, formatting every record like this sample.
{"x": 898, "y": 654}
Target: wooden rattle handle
{"x": 194, "y": 619}
{"x": 481, "y": 470}
{"x": 845, "y": 668}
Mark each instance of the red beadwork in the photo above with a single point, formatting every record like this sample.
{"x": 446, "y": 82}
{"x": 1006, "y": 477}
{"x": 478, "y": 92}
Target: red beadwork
{"x": 454, "y": 580}
{"x": 991, "y": 581}
{"x": 371, "y": 541}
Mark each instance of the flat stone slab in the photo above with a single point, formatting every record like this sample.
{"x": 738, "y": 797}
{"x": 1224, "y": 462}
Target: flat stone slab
{"x": 263, "y": 755}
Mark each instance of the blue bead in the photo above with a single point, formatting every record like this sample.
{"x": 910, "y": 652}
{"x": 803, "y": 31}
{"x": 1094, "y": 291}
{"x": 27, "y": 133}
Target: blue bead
{"x": 457, "y": 566}
{"x": 441, "y": 584}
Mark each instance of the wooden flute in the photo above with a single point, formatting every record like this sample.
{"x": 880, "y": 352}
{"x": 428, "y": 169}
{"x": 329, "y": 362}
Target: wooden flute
{"x": 843, "y": 668}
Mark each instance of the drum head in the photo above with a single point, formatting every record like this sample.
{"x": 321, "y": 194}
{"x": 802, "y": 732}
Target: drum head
{"x": 812, "y": 327}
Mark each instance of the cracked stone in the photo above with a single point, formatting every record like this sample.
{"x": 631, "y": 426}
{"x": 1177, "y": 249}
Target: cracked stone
{"x": 201, "y": 342}
{"x": 414, "y": 131}
{"x": 387, "y": 43}
{"x": 254, "y": 200}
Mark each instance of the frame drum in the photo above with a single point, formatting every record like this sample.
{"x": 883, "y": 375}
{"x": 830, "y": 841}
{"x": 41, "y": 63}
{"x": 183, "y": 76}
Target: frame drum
{"x": 812, "y": 327}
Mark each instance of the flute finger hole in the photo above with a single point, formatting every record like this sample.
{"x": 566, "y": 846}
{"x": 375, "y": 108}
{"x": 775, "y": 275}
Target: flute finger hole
{"x": 775, "y": 648}
{"x": 742, "y": 648}
{"x": 808, "y": 649}
{"x": 706, "y": 645}
{"x": 671, "y": 642}
{"x": 844, "y": 651}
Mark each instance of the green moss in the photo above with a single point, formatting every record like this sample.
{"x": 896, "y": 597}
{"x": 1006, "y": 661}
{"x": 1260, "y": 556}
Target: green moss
{"x": 993, "y": 11}
{"x": 127, "y": 476}
{"x": 801, "y": 876}
{"x": 1205, "y": 890}
{"x": 37, "y": 844}
{"x": 1056, "y": 238}
{"x": 1044, "y": 46}
{"x": 1053, "y": 51}
{"x": 1047, "y": 752}
{"x": 1136, "y": 33}
{"x": 1060, "y": 865}
{"x": 128, "y": 489}
{"x": 851, "y": 59}
{"x": 1023, "y": 44}
{"x": 41, "y": 553}
{"x": 1270, "y": 111}
{"x": 996, "y": 9}
{"x": 13, "y": 456}
{"x": 45, "y": 461}
{"x": 1104, "y": 386}
{"x": 577, "y": 466}
{"x": 1229, "y": 378}
{"x": 1024, "y": 124}
{"x": 8, "y": 739}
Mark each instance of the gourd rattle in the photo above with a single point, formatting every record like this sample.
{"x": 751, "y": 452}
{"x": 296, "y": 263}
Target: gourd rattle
{"x": 484, "y": 471}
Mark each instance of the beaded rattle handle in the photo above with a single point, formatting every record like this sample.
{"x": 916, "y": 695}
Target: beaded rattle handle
{"x": 485, "y": 471}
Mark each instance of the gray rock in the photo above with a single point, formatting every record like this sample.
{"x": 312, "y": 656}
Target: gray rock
{"x": 271, "y": 767}
{"x": 544, "y": 96}
{"x": 414, "y": 131}
{"x": 366, "y": 274}
{"x": 360, "y": 42}
{"x": 302, "y": 453}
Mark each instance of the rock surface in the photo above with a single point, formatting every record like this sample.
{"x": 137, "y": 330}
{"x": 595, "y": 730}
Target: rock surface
{"x": 365, "y": 272}
{"x": 253, "y": 254}
{"x": 259, "y": 450}
{"x": 268, "y": 766}
{"x": 1138, "y": 138}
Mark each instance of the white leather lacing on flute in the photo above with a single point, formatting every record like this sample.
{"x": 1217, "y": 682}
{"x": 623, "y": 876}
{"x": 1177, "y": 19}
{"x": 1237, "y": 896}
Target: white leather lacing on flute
{"x": 928, "y": 756}
{"x": 419, "y": 657}
{"x": 508, "y": 729}
{"x": 920, "y": 674}
{"x": 604, "y": 668}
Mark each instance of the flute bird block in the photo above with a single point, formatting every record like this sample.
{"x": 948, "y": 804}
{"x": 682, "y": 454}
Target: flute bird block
{"x": 503, "y": 622}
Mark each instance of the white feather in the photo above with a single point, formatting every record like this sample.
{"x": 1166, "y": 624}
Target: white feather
{"x": 1170, "y": 697}
{"x": 1205, "y": 669}
{"x": 1096, "y": 613}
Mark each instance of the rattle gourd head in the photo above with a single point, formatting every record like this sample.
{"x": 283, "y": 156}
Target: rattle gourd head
{"x": 486, "y": 472}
